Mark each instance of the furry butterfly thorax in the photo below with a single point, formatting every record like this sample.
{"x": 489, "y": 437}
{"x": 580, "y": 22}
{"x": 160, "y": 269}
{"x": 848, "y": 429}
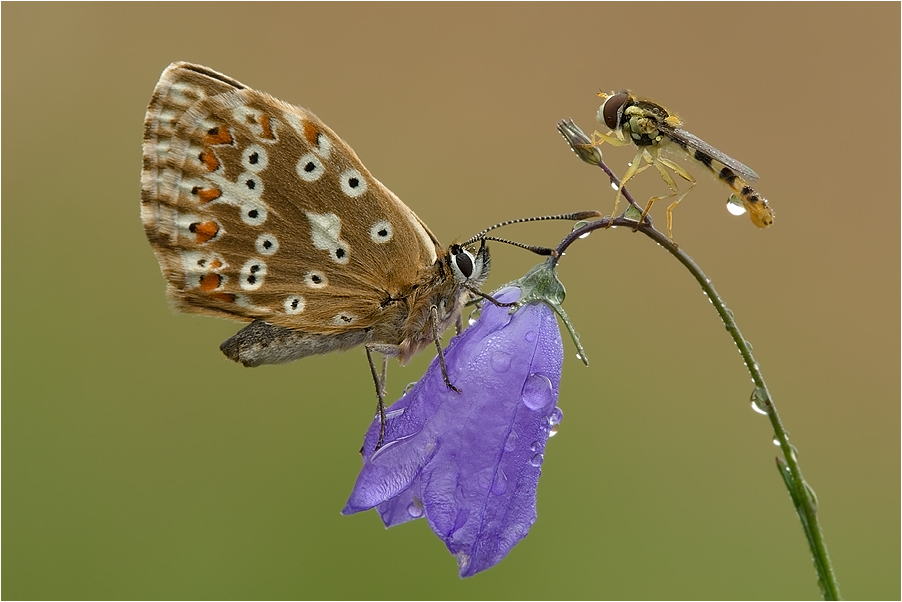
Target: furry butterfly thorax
{"x": 257, "y": 211}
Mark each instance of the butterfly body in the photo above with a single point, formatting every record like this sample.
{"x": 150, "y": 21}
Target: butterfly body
{"x": 257, "y": 211}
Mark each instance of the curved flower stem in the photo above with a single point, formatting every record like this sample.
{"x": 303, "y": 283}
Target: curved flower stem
{"x": 802, "y": 495}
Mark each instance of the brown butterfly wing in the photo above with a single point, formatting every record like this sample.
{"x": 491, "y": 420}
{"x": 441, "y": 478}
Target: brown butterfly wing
{"x": 256, "y": 209}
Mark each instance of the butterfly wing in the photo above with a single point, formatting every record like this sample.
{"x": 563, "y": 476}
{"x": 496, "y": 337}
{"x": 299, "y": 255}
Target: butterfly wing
{"x": 257, "y": 210}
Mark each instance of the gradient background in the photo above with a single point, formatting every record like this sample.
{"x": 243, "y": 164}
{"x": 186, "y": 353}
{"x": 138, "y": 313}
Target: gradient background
{"x": 139, "y": 463}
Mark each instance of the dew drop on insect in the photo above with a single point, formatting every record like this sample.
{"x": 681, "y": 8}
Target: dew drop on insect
{"x": 537, "y": 392}
{"x": 759, "y": 403}
{"x": 735, "y": 206}
{"x": 537, "y": 459}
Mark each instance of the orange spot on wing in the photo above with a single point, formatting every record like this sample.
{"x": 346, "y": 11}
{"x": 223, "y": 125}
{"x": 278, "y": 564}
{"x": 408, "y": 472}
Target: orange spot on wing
{"x": 218, "y": 135}
{"x": 204, "y": 231}
{"x": 215, "y": 264}
{"x": 209, "y": 159}
{"x": 311, "y": 133}
{"x": 207, "y": 194}
{"x": 210, "y": 282}
{"x": 266, "y": 124}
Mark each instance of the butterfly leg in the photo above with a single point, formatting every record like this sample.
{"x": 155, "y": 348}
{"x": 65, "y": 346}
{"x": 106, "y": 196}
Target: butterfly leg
{"x": 437, "y": 337}
{"x": 380, "y": 390}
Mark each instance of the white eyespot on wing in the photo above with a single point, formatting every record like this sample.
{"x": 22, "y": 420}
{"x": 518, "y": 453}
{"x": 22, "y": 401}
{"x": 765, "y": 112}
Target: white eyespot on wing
{"x": 294, "y": 305}
{"x": 255, "y": 158}
{"x": 253, "y": 214}
{"x": 267, "y": 244}
{"x": 325, "y": 233}
{"x": 196, "y": 262}
{"x": 381, "y": 232}
{"x": 352, "y": 183}
{"x": 250, "y": 184}
{"x": 253, "y": 273}
{"x": 310, "y": 168}
{"x": 316, "y": 279}
{"x": 344, "y": 319}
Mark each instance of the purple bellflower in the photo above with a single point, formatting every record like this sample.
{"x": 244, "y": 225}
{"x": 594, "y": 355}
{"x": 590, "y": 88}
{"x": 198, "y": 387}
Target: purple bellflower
{"x": 469, "y": 462}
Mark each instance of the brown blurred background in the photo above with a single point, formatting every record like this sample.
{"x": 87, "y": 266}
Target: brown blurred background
{"x": 139, "y": 463}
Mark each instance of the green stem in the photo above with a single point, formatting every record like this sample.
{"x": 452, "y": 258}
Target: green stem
{"x": 802, "y": 495}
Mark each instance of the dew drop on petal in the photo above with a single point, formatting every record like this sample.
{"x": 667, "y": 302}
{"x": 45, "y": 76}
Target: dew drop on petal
{"x": 537, "y": 459}
{"x": 511, "y": 443}
{"x": 415, "y": 509}
{"x": 530, "y": 336}
{"x": 499, "y": 486}
{"x": 556, "y": 416}
{"x": 552, "y": 431}
{"x": 500, "y": 361}
{"x": 537, "y": 391}
{"x": 535, "y": 446}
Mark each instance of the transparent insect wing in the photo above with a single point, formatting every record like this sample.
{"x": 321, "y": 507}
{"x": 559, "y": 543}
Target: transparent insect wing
{"x": 696, "y": 143}
{"x": 256, "y": 209}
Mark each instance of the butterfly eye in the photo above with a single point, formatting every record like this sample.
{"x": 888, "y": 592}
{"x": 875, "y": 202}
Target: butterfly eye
{"x": 462, "y": 261}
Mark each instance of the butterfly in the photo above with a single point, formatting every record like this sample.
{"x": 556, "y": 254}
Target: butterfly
{"x": 257, "y": 211}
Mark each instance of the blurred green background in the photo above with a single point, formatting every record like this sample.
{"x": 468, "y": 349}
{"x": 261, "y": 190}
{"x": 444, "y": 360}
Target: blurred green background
{"x": 139, "y": 463}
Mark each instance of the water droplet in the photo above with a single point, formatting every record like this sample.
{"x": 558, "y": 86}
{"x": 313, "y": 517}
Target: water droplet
{"x": 471, "y": 320}
{"x": 556, "y": 416}
{"x": 511, "y": 443}
{"x": 500, "y": 361}
{"x": 776, "y": 442}
{"x": 811, "y": 494}
{"x": 579, "y": 225}
{"x": 499, "y": 486}
{"x": 530, "y": 336}
{"x": 535, "y": 446}
{"x": 537, "y": 391}
{"x": 579, "y": 356}
{"x": 409, "y": 387}
{"x": 614, "y": 186}
{"x": 415, "y": 509}
{"x": 552, "y": 431}
{"x": 748, "y": 345}
{"x": 537, "y": 459}
{"x": 759, "y": 401}
{"x": 585, "y": 234}
{"x": 734, "y": 205}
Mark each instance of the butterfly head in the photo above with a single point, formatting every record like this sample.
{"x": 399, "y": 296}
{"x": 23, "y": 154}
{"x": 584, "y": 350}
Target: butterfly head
{"x": 469, "y": 267}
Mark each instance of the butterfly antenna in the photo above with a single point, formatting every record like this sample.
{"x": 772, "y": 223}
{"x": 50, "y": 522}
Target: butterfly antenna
{"x": 533, "y": 248}
{"x": 573, "y": 217}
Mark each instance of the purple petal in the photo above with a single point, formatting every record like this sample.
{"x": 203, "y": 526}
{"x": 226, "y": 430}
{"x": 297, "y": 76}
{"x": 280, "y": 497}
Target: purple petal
{"x": 470, "y": 462}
